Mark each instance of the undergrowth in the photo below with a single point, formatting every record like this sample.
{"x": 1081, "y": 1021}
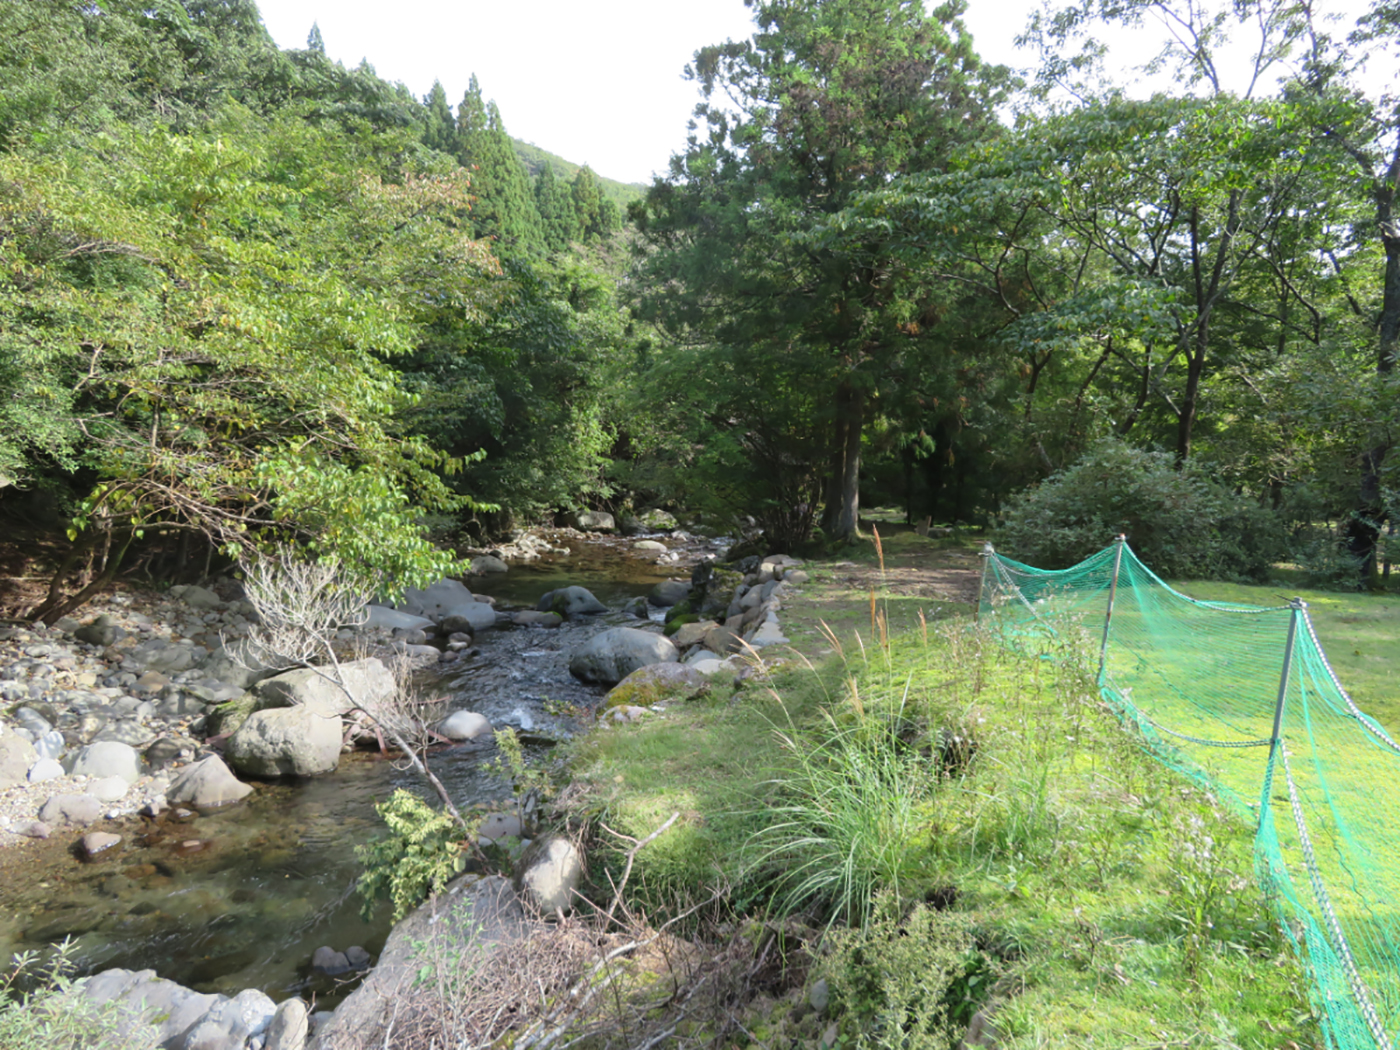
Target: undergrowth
{"x": 932, "y": 791}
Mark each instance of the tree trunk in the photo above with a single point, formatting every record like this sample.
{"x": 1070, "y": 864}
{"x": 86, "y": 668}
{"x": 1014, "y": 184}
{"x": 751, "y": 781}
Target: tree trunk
{"x": 851, "y": 403}
{"x": 831, "y": 498}
{"x": 1367, "y": 520}
{"x": 51, "y": 612}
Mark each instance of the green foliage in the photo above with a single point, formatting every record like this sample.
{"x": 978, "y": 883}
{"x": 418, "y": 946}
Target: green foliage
{"x": 505, "y": 205}
{"x": 1182, "y": 523}
{"x": 41, "y": 1009}
{"x": 905, "y": 979}
{"x": 846, "y": 829}
{"x": 424, "y": 850}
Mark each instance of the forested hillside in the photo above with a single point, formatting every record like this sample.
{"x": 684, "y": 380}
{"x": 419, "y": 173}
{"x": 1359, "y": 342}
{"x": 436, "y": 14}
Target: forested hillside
{"x": 249, "y": 294}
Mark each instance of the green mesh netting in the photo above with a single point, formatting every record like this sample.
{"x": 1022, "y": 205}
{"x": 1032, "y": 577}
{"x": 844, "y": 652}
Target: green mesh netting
{"x": 1205, "y": 682}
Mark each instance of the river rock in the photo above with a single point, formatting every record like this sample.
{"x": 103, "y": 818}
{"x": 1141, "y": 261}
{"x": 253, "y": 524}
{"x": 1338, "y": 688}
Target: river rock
{"x": 570, "y": 602}
{"x": 548, "y": 874}
{"x": 171, "y": 1009}
{"x": 689, "y": 634}
{"x": 197, "y": 597}
{"x": 614, "y": 654}
{"x": 531, "y": 618}
{"x": 45, "y": 769}
{"x": 383, "y": 616}
{"x": 108, "y": 789}
{"x": 329, "y": 962}
{"x": 466, "y": 923}
{"x": 75, "y": 810}
{"x": 464, "y": 725}
{"x": 108, "y": 758}
{"x": 95, "y": 842}
{"x": 286, "y": 741}
{"x": 591, "y": 521}
{"x": 658, "y": 520}
{"x": 470, "y": 616}
{"x": 497, "y": 826}
{"x": 668, "y": 593}
{"x": 648, "y": 545}
{"x": 127, "y": 732}
{"x": 206, "y": 784}
{"x": 167, "y": 751}
{"x": 17, "y": 755}
{"x": 367, "y": 682}
{"x": 159, "y": 655}
{"x": 646, "y": 685}
{"x": 103, "y": 631}
{"x": 637, "y": 607}
{"x": 723, "y": 640}
{"x": 434, "y": 601}
{"x": 290, "y": 1026}
{"x": 487, "y": 564}
{"x": 236, "y": 664}
{"x": 35, "y": 829}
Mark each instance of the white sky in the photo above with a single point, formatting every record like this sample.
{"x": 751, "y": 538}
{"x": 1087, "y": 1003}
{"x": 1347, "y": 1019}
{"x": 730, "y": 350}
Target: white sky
{"x": 597, "y": 83}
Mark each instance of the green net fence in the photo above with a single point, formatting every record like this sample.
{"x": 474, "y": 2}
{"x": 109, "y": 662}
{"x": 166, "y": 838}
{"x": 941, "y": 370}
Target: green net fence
{"x": 1242, "y": 699}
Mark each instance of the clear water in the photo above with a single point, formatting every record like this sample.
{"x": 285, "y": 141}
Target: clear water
{"x": 242, "y": 898}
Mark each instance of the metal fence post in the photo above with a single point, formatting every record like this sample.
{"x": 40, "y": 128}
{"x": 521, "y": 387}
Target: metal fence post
{"x": 1121, "y": 541}
{"x": 988, "y": 551}
{"x": 1298, "y": 606}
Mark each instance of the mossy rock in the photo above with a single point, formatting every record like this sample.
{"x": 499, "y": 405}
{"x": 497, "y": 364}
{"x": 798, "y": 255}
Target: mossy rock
{"x": 648, "y": 685}
{"x": 680, "y": 609}
{"x": 674, "y": 625}
{"x": 227, "y": 718}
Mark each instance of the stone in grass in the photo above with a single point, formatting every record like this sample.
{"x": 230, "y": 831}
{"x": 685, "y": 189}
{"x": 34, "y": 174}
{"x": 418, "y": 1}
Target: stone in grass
{"x": 548, "y": 874}
{"x": 497, "y": 826}
{"x": 622, "y": 715}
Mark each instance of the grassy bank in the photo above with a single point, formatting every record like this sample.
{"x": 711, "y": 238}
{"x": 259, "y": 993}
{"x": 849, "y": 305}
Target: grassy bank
{"x": 918, "y": 781}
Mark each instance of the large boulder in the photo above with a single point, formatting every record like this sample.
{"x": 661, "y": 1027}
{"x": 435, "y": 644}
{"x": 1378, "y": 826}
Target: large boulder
{"x": 646, "y": 685}
{"x": 16, "y": 756}
{"x": 591, "y": 521}
{"x": 469, "y": 617}
{"x": 108, "y": 758}
{"x": 612, "y": 655}
{"x": 235, "y": 664}
{"x": 658, "y": 520}
{"x": 487, "y": 564}
{"x": 207, "y": 784}
{"x": 390, "y": 619}
{"x": 365, "y": 682}
{"x": 668, "y": 593}
{"x": 286, "y": 741}
{"x": 570, "y": 602}
{"x": 460, "y": 927}
{"x": 434, "y": 601}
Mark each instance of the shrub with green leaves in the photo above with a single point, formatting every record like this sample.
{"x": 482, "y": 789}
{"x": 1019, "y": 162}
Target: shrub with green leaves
{"x": 53, "y": 1015}
{"x": 1181, "y": 523}
{"x": 422, "y": 852}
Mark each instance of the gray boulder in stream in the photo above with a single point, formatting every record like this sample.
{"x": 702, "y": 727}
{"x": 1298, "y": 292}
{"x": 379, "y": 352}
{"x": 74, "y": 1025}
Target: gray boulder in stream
{"x": 286, "y": 741}
{"x": 207, "y": 784}
{"x": 569, "y": 602}
{"x": 613, "y": 655}
{"x": 367, "y": 681}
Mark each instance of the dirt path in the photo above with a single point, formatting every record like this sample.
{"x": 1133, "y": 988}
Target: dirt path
{"x": 935, "y": 578}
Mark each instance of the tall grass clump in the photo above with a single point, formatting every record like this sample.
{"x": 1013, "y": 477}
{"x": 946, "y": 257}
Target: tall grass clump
{"x": 849, "y": 820}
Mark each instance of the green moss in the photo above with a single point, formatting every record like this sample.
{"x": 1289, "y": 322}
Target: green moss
{"x": 226, "y": 718}
{"x": 675, "y": 623}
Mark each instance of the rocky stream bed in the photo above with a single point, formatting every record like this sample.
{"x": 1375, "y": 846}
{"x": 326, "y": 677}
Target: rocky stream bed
{"x": 113, "y": 775}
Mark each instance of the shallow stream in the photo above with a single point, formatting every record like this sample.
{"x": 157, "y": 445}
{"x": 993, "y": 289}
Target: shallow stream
{"x": 242, "y": 898}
